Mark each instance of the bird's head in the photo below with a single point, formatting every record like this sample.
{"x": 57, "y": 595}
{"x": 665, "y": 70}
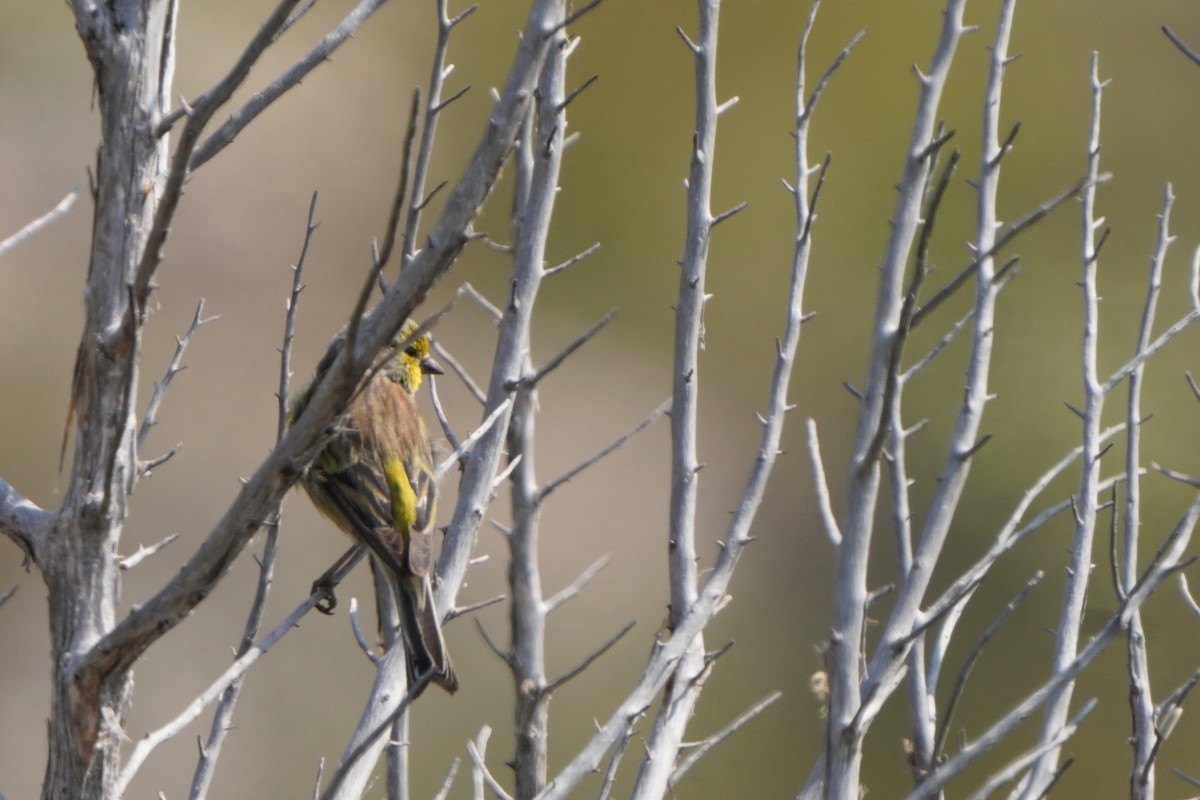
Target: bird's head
{"x": 412, "y": 360}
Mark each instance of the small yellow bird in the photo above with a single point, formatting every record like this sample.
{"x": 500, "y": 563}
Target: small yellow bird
{"x": 374, "y": 479}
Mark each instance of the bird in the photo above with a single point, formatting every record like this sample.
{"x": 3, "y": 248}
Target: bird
{"x": 373, "y": 478}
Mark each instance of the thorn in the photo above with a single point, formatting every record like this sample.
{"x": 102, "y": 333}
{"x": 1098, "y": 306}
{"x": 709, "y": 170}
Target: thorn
{"x": 728, "y": 104}
{"x": 690, "y": 44}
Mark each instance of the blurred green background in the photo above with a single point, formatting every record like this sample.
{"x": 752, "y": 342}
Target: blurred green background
{"x": 241, "y": 225}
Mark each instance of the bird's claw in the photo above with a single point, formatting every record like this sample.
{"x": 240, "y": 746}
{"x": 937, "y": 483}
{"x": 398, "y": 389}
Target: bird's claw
{"x": 328, "y": 602}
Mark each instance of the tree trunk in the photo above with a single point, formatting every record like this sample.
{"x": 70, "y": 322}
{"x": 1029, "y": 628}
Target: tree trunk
{"x": 129, "y": 51}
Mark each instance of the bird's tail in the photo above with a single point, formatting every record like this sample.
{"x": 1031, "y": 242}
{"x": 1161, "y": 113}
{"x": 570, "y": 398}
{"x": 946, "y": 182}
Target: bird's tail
{"x": 422, "y": 631}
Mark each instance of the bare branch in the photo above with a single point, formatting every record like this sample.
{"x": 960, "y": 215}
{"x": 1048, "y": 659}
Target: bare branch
{"x": 481, "y": 301}
{"x": 500, "y": 652}
{"x": 575, "y": 671}
{"x": 671, "y": 720}
{"x": 822, "y": 486}
{"x": 444, "y": 356}
{"x": 1070, "y": 621}
{"x": 459, "y": 611}
{"x": 566, "y": 352}
{"x": 1183, "y": 48}
{"x": 41, "y": 222}
{"x": 173, "y": 369}
{"x": 465, "y": 446}
{"x": 566, "y": 101}
{"x": 649, "y": 420}
{"x": 712, "y": 741}
{"x": 289, "y": 322}
{"x": 129, "y": 562}
{"x": 24, "y": 522}
{"x": 433, "y": 107}
{"x": 610, "y": 774}
{"x": 572, "y": 261}
{"x": 1001, "y": 242}
{"x": 809, "y": 105}
{"x": 146, "y": 468}
{"x": 444, "y": 790}
{"x": 572, "y": 590}
{"x": 393, "y": 222}
{"x": 1185, "y": 777}
{"x": 841, "y": 767}
{"x": 973, "y": 656}
{"x": 1018, "y": 765}
{"x": 1187, "y": 596}
{"x": 363, "y": 645}
{"x": 476, "y": 754}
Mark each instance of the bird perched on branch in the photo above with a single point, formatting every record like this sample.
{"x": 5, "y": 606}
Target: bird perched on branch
{"x": 374, "y": 479}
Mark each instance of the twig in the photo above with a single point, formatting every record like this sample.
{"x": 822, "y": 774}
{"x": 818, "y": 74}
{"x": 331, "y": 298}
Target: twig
{"x": 173, "y": 369}
{"x": 459, "y": 611}
{"x": 1145, "y": 738}
{"x": 548, "y": 487}
{"x": 1187, "y": 596}
{"x": 289, "y": 321}
{"x": 499, "y": 651}
{"x": 566, "y": 352}
{"x": 720, "y": 736}
{"x": 363, "y": 644}
{"x": 492, "y": 311}
{"x": 481, "y": 770}
{"x": 1183, "y": 48}
{"x": 575, "y": 671}
{"x": 445, "y": 357}
{"x": 614, "y": 761}
{"x": 572, "y": 590}
{"x": 572, "y": 261}
{"x": 146, "y": 468}
{"x": 1018, "y": 765}
{"x": 440, "y": 413}
{"x": 466, "y": 444}
{"x": 575, "y": 15}
{"x": 1185, "y": 777}
{"x": 129, "y": 562}
{"x": 41, "y": 222}
{"x": 1010, "y": 233}
{"x": 822, "y": 486}
{"x": 317, "y": 783}
{"x": 393, "y": 222}
{"x": 444, "y": 790}
{"x": 438, "y": 72}
{"x": 973, "y": 656}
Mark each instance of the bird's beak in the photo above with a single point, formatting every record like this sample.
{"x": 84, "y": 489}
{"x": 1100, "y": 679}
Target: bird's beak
{"x": 431, "y": 367}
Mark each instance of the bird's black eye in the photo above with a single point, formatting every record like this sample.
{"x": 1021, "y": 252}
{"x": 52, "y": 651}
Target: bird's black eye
{"x": 412, "y": 351}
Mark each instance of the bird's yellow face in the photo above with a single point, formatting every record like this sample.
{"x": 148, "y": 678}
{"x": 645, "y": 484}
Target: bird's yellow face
{"x": 413, "y": 362}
